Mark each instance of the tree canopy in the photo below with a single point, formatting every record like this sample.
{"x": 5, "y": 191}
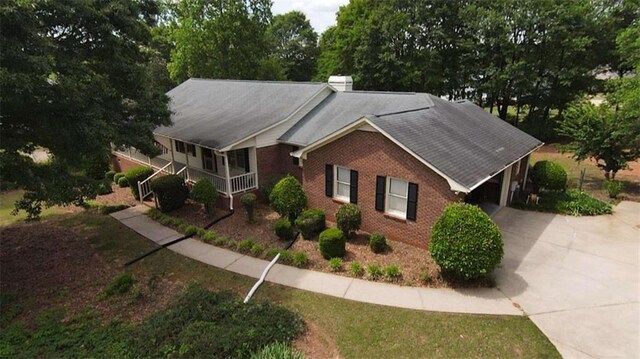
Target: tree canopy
{"x": 79, "y": 79}
{"x": 294, "y": 43}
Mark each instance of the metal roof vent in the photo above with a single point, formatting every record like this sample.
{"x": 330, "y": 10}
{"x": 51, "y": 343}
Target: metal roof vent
{"x": 341, "y": 83}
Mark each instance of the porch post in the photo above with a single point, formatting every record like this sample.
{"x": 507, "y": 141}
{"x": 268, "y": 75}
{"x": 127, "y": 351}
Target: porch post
{"x": 186, "y": 157}
{"x": 506, "y": 185}
{"x": 255, "y": 161}
{"x": 228, "y": 177}
{"x": 526, "y": 173}
{"x": 173, "y": 160}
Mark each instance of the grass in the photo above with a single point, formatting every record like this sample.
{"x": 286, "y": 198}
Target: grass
{"x": 355, "y": 329}
{"x": 7, "y": 202}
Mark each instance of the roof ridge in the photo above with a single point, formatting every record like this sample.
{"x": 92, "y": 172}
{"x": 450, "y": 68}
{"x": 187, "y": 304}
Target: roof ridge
{"x": 259, "y": 81}
{"x": 404, "y": 111}
{"x": 384, "y": 92}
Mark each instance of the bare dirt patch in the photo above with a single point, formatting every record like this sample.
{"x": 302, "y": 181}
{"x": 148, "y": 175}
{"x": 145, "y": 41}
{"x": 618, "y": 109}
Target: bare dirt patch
{"x": 316, "y": 342}
{"x": 49, "y": 267}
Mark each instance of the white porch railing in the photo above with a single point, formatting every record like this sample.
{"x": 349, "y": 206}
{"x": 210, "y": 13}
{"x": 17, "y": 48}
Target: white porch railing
{"x": 220, "y": 182}
{"x": 243, "y": 182}
{"x": 144, "y": 187}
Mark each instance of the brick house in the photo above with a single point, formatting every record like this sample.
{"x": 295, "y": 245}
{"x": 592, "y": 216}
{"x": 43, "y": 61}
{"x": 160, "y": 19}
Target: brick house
{"x": 401, "y": 157}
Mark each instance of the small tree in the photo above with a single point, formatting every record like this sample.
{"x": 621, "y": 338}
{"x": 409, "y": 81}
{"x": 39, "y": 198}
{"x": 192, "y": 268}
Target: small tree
{"x": 249, "y": 202}
{"x": 465, "y": 242}
{"x": 548, "y": 175}
{"x": 205, "y": 193}
{"x": 603, "y": 134}
{"x": 348, "y": 218}
{"x": 288, "y": 198}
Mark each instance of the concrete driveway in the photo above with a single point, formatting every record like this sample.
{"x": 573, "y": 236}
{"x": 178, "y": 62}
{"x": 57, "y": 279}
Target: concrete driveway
{"x": 576, "y": 277}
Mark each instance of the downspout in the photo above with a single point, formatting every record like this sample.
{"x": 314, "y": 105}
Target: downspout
{"x": 173, "y": 160}
{"x": 228, "y": 177}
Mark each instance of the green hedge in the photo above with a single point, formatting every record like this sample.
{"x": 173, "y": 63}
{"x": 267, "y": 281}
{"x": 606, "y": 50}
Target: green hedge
{"x": 311, "y": 222}
{"x": 283, "y": 229}
{"x": 205, "y": 193}
{"x": 332, "y": 243}
{"x": 170, "y": 191}
{"x": 377, "y": 242}
{"x": 135, "y": 175}
{"x": 117, "y": 176}
{"x": 465, "y": 242}
{"x": 548, "y": 175}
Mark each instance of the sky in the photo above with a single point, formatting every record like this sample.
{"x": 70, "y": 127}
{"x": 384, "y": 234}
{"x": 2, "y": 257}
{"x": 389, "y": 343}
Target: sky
{"x": 321, "y": 13}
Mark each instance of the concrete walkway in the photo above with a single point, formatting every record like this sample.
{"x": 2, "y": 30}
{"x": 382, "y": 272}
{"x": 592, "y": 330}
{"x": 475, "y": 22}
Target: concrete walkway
{"x": 479, "y": 301}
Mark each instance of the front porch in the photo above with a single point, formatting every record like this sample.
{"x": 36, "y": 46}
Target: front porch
{"x": 240, "y": 179}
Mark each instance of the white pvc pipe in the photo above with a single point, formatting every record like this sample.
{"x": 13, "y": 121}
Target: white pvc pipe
{"x": 262, "y": 277}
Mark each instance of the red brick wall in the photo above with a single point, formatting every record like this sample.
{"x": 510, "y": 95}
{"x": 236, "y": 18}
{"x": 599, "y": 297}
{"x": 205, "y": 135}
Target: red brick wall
{"x": 275, "y": 160}
{"x": 372, "y": 154}
{"x": 121, "y": 164}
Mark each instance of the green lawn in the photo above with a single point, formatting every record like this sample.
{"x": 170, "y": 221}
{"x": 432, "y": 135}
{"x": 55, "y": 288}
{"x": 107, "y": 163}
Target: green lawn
{"x": 356, "y": 330}
{"x": 7, "y": 201}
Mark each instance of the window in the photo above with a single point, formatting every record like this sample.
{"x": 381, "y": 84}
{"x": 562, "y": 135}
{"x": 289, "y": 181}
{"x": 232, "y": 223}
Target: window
{"x": 162, "y": 147}
{"x": 209, "y": 160}
{"x": 180, "y": 147}
{"x": 238, "y": 159}
{"x": 192, "y": 150}
{"x": 343, "y": 183}
{"x": 397, "y": 195}
{"x": 295, "y": 160}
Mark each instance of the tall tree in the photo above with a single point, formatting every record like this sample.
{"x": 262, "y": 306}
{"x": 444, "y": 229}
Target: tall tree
{"x": 295, "y": 44}
{"x": 79, "y": 81}
{"x": 219, "y": 38}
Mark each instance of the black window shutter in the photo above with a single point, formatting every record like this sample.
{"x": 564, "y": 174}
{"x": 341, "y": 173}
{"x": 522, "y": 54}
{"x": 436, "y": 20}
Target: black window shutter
{"x": 246, "y": 160}
{"x": 381, "y": 188}
{"x": 412, "y": 201}
{"x": 328, "y": 180}
{"x": 353, "y": 187}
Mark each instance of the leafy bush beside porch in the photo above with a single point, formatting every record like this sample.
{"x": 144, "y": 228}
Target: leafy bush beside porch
{"x": 571, "y": 202}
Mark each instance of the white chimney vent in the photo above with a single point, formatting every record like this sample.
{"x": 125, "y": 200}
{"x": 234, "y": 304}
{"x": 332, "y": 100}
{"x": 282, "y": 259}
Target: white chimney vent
{"x": 341, "y": 83}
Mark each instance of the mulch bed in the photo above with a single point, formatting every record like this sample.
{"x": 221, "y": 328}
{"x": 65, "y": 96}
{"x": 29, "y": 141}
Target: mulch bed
{"x": 117, "y": 197}
{"x": 261, "y": 231}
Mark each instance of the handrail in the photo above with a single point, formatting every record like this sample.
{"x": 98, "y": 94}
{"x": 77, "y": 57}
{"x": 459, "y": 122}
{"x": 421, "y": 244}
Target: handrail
{"x": 144, "y": 188}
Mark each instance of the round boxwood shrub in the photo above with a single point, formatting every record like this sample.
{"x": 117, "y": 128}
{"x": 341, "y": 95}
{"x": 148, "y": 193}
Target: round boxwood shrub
{"x": 465, "y": 242}
{"x": 135, "y": 175}
{"x": 348, "y": 218}
{"x": 104, "y": 187}
{"x": 332, "y": 243}
{"x": 170, "y": 191}
{"x": 283, "y": 229}
{"x": 122, "y": 182}
{"x": 311, "y": 222}
{"x": 288, "y": 198}
{"x": 117, "y": 176}
{"x": 377, "y": 242}
{"x": 205, "y": 193}
{"x": 109, "y": 175}
{"x": 249, "y": 203}
{"x": 548, "y": 175}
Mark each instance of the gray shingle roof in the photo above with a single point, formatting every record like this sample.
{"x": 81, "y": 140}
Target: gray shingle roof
{"x": 343, "y": 108}
{"x": 460, "y": 139}
{"x": 217, "y": 113}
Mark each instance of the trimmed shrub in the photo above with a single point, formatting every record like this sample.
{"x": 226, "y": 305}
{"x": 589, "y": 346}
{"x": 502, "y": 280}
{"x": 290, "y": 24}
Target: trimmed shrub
{"x": 374, "y": 271}
{"x": 257, "y": 249}
{"x": 109, "y": 175}
{"x": 170, "y": 191}
{"x": 391, "y": 272}
{"x": 614, "y": 188}
{"x": 288, "y": 198}
{"x": 117, "y": 176}
{"x": 377, "y": 242}
{"x": 300, "y": 259}
{"x": 249, "y": 203}
{"x": 205, "y": 193}
{"x": 135, "y": 175}
{"x": 335, "y": 264}
{"x": 465, "y": 242}
{"x": 332, "y": 243}
{"x": 283, "y": 229}
{"x": 209, "y": 237}
{"x": 123, "y": 182}
{"x": 245, "y": 245}
{"x": 104, "y": 187}
{"x": 120, "y": 284}
{"x": 548, "y": 175}
{"x": 311, "y": 222}
{"x": 356, "y": 269}
{"x": 348, "y": 218}
{"x": 268, "y": 183}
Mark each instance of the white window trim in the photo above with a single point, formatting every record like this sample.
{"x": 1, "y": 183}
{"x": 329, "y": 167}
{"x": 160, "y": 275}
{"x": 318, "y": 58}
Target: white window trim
{"x": 335, "y": 184}
{"x": 392, "y": 212}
